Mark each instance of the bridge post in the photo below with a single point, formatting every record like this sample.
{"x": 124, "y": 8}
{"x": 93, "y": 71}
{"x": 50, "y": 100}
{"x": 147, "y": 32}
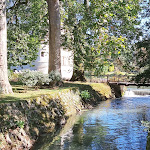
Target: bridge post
{"x": 107, "y": 79}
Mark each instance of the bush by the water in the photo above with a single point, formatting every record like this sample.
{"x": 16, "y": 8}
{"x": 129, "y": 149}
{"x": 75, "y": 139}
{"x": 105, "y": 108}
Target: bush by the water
{"x": 85, "y": 94}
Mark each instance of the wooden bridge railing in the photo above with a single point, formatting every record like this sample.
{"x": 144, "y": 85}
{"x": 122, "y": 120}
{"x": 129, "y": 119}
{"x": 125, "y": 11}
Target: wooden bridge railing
{"x": 110, "y": 78}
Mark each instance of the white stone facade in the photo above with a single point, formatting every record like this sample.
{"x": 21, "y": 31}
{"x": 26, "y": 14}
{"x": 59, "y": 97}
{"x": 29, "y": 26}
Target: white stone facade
{"x": 66, "y": 64}
{"x": 41, "y": 63}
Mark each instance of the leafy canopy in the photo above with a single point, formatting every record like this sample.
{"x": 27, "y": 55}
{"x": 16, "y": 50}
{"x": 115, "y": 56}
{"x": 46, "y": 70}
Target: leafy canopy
{"x": 98, "y": 32}
{"x": 27, "y": 28}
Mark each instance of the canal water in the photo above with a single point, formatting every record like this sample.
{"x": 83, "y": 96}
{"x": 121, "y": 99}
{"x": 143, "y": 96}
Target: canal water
{"x": 118, "y": 124}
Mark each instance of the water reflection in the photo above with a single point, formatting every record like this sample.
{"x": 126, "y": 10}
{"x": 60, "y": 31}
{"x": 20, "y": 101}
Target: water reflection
{"x": 114, "y": 125}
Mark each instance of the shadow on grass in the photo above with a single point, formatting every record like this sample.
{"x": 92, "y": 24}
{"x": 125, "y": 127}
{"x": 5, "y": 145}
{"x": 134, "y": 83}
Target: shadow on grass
{"x": 20, "y": 94}
{"x": 95, "y": 98}
{"x": 8, "y": 99}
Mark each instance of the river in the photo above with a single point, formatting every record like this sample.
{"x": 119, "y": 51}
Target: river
{"x": 114, "y": 125}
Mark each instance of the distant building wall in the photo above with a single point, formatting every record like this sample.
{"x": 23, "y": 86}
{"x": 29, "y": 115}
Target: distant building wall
{"x": 41, "y": 63}
{"x": 66, "y": 64}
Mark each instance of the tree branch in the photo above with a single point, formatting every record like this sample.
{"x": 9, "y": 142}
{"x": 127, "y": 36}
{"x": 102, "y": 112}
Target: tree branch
{"x": 18, "y": 3}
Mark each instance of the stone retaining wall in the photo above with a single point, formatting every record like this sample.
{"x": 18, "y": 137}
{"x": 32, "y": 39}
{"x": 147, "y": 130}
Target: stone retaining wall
{"x": 22, "y": 122}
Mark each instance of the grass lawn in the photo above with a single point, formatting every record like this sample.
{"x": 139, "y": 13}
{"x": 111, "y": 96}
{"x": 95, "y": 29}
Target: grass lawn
{"x": 102, "y": 88}
{"x": 21, "y": 94}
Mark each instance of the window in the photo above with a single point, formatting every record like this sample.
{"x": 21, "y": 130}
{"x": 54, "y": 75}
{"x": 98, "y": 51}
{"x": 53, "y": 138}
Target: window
{"x": 42, "y": 54}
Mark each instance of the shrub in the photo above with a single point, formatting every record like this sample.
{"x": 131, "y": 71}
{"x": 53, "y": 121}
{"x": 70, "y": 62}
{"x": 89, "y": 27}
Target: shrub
{"x": 34, "y": 78}
{"x": 20, "y": 124}
{"x": 55, "y": 78}
{"x": 28, "y": 78}
{"x": 9, "y": 74}
{"x": 85, "y": 94}
{"x": 42, "y": 79}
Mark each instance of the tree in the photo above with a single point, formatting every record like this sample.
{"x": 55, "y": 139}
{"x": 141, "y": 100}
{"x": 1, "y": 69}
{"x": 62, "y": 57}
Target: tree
{"x": 98, "y": 31}
{"x": 142, "y": 59}
{"x": 4, "y": 83}
{"x": 27, "y": 30}
{"x": 54, "y": 36}
{"x": 141, "y": 47}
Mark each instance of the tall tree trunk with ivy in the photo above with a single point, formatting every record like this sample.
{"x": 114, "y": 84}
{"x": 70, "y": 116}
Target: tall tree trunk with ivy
{"x": 54, "y": 36}
{"x": 5, "y": 86}
{"x": 78, "y": 72}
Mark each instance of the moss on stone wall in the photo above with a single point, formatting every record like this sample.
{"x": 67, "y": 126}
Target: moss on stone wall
{"x": 23, "y": 121}
{"x": 37, "y": 115}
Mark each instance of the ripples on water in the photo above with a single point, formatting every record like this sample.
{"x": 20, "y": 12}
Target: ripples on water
{"x": 113, "y": 125}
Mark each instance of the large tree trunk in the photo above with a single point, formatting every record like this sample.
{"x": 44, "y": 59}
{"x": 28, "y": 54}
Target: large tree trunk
{"x": 54, "y": 36}
{"x": 4, "y": 83}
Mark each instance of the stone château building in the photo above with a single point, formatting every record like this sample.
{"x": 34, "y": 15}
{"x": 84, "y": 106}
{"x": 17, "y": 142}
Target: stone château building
{"x": 41, "y": 63}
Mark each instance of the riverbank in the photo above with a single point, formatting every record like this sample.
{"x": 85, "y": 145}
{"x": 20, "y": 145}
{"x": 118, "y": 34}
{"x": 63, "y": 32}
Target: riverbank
{"x": 25, "y": 119}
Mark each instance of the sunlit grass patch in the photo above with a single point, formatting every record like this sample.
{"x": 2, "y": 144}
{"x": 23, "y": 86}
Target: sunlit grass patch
{"x": 103, "y": 88}
{"x": 22, "y": 94}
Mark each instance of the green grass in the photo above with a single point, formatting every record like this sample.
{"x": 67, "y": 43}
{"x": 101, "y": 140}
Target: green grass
{"x": 21, "y": 94}
{"x": 101, "y": 88}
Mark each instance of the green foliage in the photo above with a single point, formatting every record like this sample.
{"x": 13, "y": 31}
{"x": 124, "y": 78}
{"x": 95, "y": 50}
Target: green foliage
{"x": 15, "y": 78}
{"x": 143, "y": 76}
{"x": 20, "y": 124}
{"x": 27, "y": 27}
{"x": 98, "y": 33}
{"x": 85, "y": 94}
{"x": 141, "y": 49}
{"x": 34, "y": 78}
{"x": 28, "y": 78}
{"x": 53, "y": 75}
{"x": 147, "y": 125}
{"x": 9, "y": 74}
{"x": 42, "y": 78}
{"x": 138, "y": 58}
{"x": 55, "y": 78}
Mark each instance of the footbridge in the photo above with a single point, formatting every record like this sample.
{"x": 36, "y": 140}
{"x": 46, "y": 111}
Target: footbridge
{"x": 129, "y": 83}
{"x": 116, "y": 79}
